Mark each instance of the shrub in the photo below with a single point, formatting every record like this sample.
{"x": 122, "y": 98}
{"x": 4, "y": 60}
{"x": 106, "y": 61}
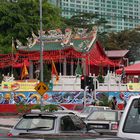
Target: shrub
{"x": 49, "y": 107}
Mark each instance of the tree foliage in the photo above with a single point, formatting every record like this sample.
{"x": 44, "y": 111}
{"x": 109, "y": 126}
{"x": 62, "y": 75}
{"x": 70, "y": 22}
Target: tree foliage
{"x": 124, "y": 40}
{"x": 85, "y": 20}
{"x": 18, "y": 20}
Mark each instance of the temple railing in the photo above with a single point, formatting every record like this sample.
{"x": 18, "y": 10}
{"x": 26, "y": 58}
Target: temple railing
{"x": 71, "y": 83}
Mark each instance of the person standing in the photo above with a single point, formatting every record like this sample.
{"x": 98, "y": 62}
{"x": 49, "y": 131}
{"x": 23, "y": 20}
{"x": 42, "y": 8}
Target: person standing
{"x": 114, "y": 103}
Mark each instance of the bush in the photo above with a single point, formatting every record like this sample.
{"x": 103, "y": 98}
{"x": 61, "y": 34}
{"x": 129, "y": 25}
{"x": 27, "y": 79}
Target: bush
{"x": 23, "y": 108}
{"x": 100, "y": 78}
{"x": 104, "y": 101}
{"x": 49, "y": 108}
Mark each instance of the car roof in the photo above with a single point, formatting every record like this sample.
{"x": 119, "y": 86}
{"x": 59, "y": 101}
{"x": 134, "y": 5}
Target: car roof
{"x": 48, "y": 114}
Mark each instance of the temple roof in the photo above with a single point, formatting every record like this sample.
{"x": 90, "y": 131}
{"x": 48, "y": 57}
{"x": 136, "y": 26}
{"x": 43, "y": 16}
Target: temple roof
{"x": 116, "y": 53}
{"x": 81, "y": 40}
{"x": 58, "y": 46}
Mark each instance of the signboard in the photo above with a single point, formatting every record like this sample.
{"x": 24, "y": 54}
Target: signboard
{"x": 18, "y": 86}
{"x": 41, "y": 88}
{"x": 133, "y": 86}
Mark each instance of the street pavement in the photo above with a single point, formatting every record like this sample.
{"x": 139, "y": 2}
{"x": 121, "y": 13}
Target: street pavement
{"x": 8, "y": 121}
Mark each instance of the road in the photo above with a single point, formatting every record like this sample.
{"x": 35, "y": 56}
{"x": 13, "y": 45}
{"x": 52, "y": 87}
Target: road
{"x": 4, "y": 131}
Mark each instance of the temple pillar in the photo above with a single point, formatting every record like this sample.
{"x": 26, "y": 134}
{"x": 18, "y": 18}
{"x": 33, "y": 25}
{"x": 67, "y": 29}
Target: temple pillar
{"x": 64, "y": 67}
{"x": 31, "y": 70}
{"x": 84, "y": 66}
{"x": 72, "y": 67}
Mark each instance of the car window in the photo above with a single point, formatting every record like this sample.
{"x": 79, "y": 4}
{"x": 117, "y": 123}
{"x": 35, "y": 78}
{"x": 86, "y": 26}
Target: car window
{"x": 132, "y": 121}
{"x": 102, "y": 115}
{"x": 88, "y": 109}
{"x": 46, "y": 123}
{"x": 67, "y": 124}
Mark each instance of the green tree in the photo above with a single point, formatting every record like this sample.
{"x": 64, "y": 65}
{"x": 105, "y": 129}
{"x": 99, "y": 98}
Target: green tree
{"x": 100, "y": 77}
{"x": 127, "y": 39}
{"x": 83, "y": 20}
{"x": 18, "y": 20}
{"x": 86, "y": 20}
{"x": 47, "y": 74}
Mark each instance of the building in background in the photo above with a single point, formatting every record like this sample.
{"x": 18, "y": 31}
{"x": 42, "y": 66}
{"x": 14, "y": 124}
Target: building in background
{"x": 120, "y": 14}
{"x": 55, "y": 2}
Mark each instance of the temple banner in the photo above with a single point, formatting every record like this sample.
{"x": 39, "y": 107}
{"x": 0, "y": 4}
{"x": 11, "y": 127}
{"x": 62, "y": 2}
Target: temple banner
{"x": 133, "y": 86}
{"x": 18, "y": 86}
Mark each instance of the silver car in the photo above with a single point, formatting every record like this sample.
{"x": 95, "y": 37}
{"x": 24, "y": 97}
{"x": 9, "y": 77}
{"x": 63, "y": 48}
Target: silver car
{"x": 104, "y": 121}
{"x": 49, "y": 123}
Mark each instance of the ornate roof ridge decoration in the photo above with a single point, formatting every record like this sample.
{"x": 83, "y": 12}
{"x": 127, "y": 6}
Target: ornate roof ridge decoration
{"x": 88, "y": 40}
{"x": 30, "y": 42}
{"x": 80, "y": 39}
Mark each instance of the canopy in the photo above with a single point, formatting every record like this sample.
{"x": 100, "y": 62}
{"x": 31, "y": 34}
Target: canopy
{"x": 130, "y": 70}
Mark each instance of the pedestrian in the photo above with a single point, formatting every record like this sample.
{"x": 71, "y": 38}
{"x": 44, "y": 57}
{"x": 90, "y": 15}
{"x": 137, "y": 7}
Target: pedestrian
{"x": 114, "y": 103}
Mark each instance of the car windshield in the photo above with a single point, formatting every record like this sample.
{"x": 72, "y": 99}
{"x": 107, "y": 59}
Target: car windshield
{"x": 37, "y": 122}
{"x": 132, "y": 122}
{"x": 88, "y": 109}
{"x": 102, "y": 115}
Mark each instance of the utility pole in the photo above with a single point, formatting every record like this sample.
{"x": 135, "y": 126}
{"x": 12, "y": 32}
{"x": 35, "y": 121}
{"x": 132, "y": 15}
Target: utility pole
{"x": 41, "y": 52}
{"x": 41, "y": 44}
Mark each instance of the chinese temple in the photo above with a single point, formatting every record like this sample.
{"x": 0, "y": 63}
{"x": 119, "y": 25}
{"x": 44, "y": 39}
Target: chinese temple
{"x": 66, "y": 50}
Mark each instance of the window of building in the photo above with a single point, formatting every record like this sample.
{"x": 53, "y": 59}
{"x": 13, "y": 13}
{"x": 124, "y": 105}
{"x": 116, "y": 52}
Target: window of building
{"x": 78, "y": 1}
{"x": 90, "y": 7}
{"x": 72, "y": 0}
{"x": 96, "y": 8}
{"x": 72, "y": 5}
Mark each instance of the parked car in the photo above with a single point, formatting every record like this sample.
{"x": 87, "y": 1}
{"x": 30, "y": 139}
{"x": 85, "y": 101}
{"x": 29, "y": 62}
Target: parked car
{"x": 104, "y": 121}
{"x": 88, "y": 109}
{"x": 49, "y": 123}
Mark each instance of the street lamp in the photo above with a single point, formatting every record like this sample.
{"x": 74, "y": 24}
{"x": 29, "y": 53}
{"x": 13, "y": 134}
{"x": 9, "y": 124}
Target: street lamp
{"x": 41, "y": 44}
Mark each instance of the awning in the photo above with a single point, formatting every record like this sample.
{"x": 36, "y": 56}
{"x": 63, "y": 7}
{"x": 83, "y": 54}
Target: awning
{"x": 130, "y": 70}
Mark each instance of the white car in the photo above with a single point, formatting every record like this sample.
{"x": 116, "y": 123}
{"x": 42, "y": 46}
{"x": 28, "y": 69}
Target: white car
{"x": 54, "y": 125}
{"x": 130, "y": 122}
{"x": 104, "y": 121}
{"x": 49, "y": 123}
{"x": 88, "y": 109}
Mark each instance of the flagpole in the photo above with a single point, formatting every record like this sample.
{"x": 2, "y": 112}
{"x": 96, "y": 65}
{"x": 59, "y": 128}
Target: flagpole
{"x": 12, "y": 57}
